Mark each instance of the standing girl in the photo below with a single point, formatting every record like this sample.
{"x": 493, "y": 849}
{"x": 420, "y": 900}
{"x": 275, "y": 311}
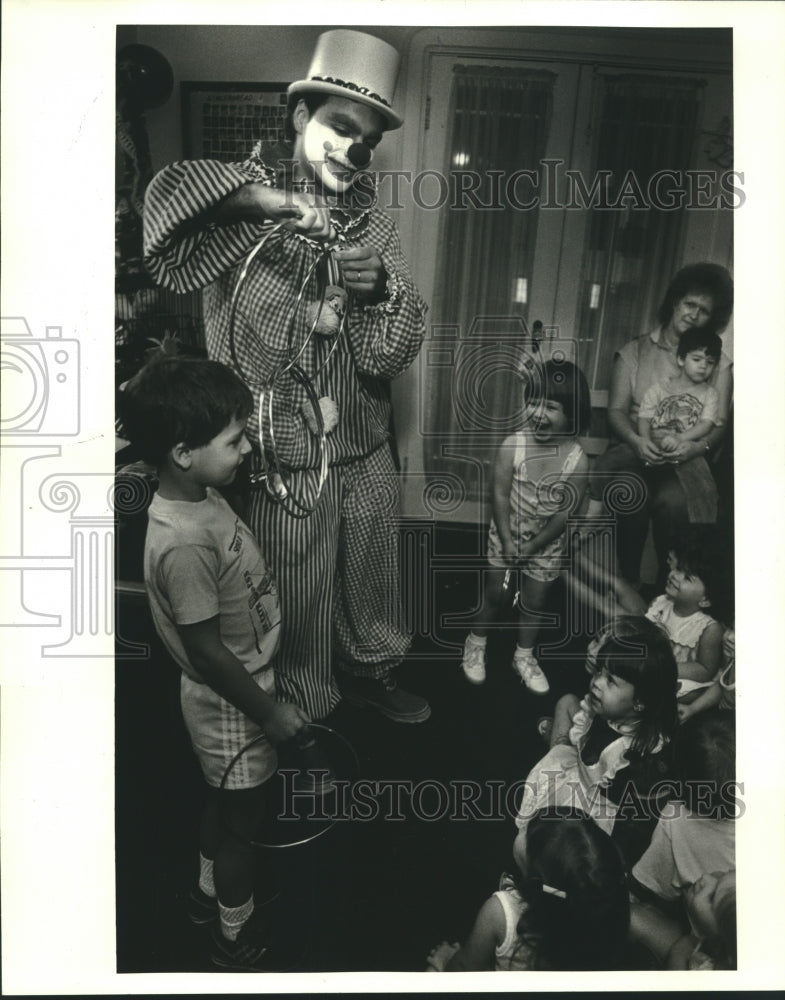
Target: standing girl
{"x": 531, "y": 503}
{"x": 566, "y": 908}
{"x": 610, "y": 745}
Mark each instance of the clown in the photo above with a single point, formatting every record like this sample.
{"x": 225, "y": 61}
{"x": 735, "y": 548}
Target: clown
{"x": 336, "y": 569}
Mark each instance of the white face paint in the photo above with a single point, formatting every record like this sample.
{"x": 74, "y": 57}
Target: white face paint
{"x": 325, "y": 151}
{"x": 326, "y": 136}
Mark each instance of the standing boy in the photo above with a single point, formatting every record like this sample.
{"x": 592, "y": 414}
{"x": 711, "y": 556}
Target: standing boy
{"x": 215, "y": 605}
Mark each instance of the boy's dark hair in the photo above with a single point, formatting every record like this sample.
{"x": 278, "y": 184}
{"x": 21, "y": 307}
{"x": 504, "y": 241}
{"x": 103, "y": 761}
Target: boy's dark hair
{"x": 563, "y": 382}
{"x": 701, "y": 551}
{"x": 639, "y": 651}
{"x": 704, "y": 754}
{"x": 180, "y": 399}
{"x": 700, "y": 339}
{"x": 700, "y": 279}
{"x": 587, "y": 927}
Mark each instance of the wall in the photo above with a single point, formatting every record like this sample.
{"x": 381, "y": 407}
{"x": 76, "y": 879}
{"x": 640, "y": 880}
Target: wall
{"x": 251, "y": 53}
{"x": 243, "y": 54}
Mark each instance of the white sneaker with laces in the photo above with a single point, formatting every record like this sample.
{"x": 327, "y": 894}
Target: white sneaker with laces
{"x": 473, "y": 662}
{"x": 527, "y": 667}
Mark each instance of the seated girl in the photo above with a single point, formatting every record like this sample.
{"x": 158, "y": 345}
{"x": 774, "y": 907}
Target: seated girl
{"x": 696, "y": 832}
{"x": 608, "y": 751}
{"x": 565, "y": 908}
{"x": 695, "y": 835}
{"x": 697, "y": 583}
{"x": 721, "y": 693}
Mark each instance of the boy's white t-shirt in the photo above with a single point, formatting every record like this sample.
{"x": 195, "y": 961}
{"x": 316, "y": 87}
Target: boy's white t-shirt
{"x": 684, "y": 847}
{"x": 700, "y": 402}
{"x": 201, "y": 560}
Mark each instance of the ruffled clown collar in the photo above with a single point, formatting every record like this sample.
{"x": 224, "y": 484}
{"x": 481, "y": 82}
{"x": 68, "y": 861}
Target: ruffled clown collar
{"x": 276, "y": 162}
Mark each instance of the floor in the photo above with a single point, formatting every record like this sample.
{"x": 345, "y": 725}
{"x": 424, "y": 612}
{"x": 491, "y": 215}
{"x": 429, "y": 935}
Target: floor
{"x": 373, "y": 892}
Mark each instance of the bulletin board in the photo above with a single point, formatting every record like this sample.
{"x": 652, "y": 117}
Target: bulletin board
{"x": 222, "y": 121}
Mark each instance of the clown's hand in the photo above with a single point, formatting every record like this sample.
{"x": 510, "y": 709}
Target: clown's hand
{"x": 363, "y": 271}
{"x": 329, "y": 412}
{"x": 300, "y": 212}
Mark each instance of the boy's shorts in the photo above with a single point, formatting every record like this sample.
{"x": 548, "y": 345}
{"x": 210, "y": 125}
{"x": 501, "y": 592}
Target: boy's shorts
{"x": 219, "y": 731}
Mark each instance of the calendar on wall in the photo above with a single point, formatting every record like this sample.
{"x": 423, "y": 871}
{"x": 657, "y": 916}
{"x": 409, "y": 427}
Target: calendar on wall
{"x": 222, "y": 121}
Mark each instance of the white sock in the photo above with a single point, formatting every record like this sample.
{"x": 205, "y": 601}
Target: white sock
{"x": 234, "y": 918}
{"x": 206, "y": 883}
{"x": 477, "y": 640}
{"x": 524, "y": 651}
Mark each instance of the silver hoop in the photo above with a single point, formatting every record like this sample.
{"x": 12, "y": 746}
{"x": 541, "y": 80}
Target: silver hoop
{"x": 319, "y": 833}
{"x": 283, "y": 494}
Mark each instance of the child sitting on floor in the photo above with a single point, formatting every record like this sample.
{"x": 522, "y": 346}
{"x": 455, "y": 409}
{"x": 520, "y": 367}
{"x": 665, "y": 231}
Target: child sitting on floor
{"x": 721, "y": 693}
{"x": 697, "y": 583}
{"x": 695, "y": 834}
{"x": 608, "y": 751}
{"x": 566, "y": 907}
{"x": 531, "y": 504}
{"x": 215, "y": 605}
{"x": 711, "y": 909}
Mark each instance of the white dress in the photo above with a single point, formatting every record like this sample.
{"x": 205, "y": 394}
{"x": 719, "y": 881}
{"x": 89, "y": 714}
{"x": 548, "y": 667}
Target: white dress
{"x": 532, "y": 504}
{"x": 563, "y": 778}
{"x": 684, "y": 634}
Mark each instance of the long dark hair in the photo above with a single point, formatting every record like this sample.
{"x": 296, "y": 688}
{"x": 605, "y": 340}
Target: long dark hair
{"x": 639, "y": 651}
{"x": 583, "y": 925}
{"x": 701, "y": 550}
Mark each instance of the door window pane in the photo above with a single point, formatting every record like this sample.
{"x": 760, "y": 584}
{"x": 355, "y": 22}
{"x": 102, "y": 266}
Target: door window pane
{"x": 499, "y": 125}
{"x": 644, "y": 125}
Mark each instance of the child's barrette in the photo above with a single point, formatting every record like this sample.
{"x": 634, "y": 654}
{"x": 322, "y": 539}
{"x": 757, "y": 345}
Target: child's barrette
{"x": 537, "y": 885}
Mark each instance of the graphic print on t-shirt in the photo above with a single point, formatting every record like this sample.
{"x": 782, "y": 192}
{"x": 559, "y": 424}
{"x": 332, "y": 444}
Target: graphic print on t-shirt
{"x": 678, "y": 413}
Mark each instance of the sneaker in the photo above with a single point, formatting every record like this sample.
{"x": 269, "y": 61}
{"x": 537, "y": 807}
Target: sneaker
{"x": 201, "y": 908}
{"x": 530, "y": 673}
{"x": 473, "y": 663}
{"x": 255, "y": 950}
{"x": 386, "y": 697}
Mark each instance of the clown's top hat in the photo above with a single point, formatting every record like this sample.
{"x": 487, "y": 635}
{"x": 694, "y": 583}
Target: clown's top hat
{"x": 356, "y": 66}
